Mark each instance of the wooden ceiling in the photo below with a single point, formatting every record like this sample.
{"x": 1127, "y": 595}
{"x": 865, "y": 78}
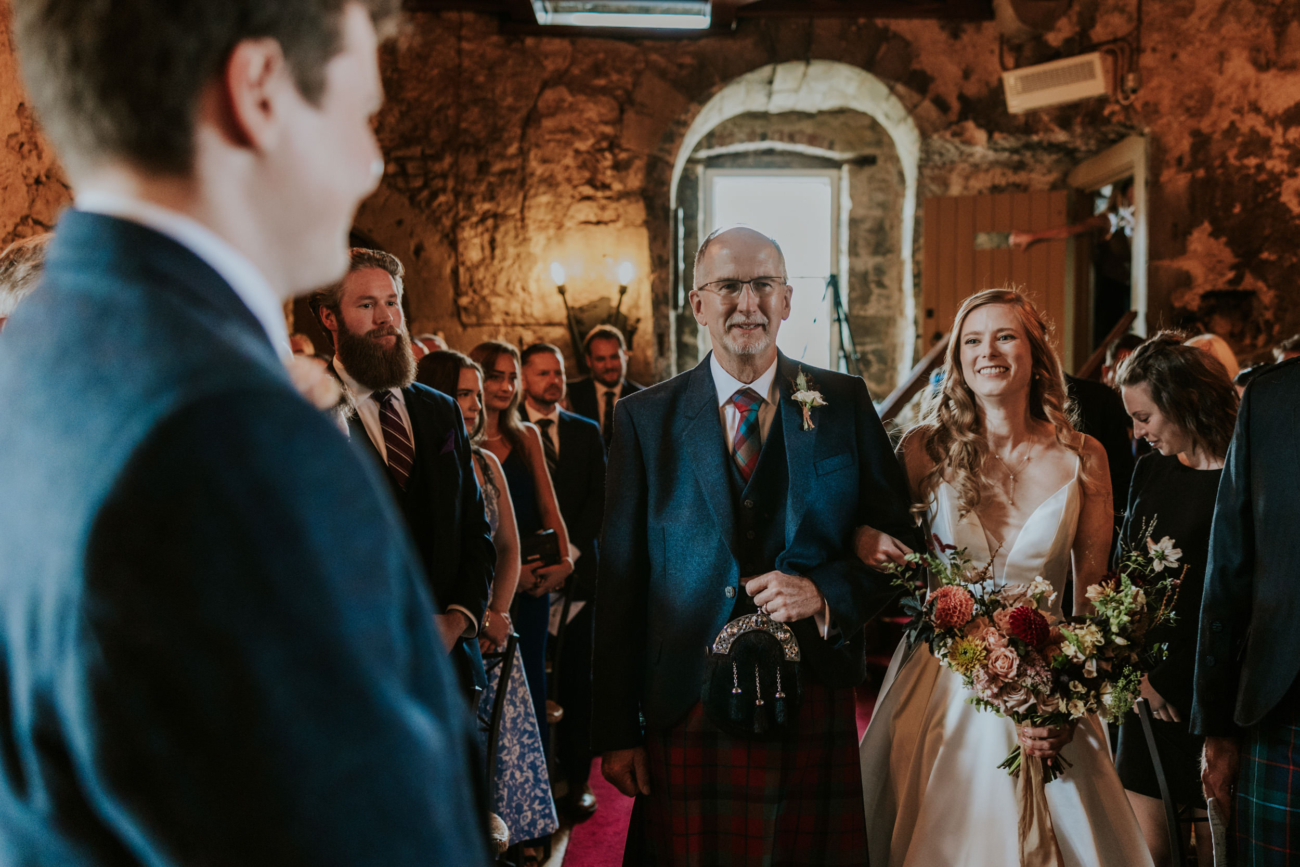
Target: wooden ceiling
{"x": 518, "y": 15}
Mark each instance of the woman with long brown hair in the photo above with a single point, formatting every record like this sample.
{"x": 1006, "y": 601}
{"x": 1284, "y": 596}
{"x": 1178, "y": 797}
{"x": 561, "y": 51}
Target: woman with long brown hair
{"x": 1184, "y": 406}
{"x": 523, "y": 788}
{"x": 518, "y": 446}
{"x": 997, "y": 469}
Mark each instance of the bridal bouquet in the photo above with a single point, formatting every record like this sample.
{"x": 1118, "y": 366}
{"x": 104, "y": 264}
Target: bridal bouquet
{"x": 1021, "y": 661}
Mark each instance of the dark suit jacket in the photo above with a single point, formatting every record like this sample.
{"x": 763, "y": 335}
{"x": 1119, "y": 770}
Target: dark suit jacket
{"x": 217, "y": 646}
{"x": 1102, "y": 416}
{"x": 668, "y": 550}
{"x": 582, "y": 397}
{"x": 580, "y": 489}
{"x": 443, "y": 507}
{"x": 1248, "y": 651}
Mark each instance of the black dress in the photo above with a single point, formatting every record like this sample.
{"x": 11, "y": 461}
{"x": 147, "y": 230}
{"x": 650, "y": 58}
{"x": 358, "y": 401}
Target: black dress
{"x": 1180, "y": 502}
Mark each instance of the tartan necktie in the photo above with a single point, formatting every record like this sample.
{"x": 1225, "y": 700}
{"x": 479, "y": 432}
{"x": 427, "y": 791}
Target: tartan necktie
{"x": 397, "y": 443}
{"x": 607, "y": 419}
{"x": 548, "y": 444}
{"x": 747, "y": 441}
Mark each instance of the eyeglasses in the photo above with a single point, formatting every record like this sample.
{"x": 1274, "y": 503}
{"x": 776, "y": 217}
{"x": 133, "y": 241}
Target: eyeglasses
{"x": 728, "y": 290}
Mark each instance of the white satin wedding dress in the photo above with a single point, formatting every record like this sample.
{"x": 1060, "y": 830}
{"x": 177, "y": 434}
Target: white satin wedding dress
{"x": 933, "y": 792}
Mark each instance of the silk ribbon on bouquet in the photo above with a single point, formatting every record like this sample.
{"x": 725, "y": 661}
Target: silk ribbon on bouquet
{"x": 1038, "y": 846}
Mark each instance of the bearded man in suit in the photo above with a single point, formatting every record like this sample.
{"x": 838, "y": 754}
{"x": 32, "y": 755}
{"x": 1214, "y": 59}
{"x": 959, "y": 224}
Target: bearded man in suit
{"x": 417, "y": 438}
{"x": 726, "y": 497}
{"x": 595, "y": 397}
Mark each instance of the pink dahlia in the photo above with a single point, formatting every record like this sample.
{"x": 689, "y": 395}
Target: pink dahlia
{"x": 953, "y": 607}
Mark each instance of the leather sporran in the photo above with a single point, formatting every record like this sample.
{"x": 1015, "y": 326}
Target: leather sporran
{"x": 751, "y": 679}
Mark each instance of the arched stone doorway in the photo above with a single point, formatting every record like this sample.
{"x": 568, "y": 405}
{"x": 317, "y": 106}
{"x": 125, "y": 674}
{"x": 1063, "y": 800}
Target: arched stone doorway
{"x": 811, "y": 88}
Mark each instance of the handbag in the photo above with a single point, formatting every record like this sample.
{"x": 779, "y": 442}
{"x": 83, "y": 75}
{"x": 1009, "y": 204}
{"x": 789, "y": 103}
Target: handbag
{"x": 752, "y": 687}
{"x": 542, "y": 548}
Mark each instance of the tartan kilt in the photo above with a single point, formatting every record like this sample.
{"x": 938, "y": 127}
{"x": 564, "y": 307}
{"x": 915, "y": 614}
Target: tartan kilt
{"x": 718, "y": 800}
{"x": 1268, "y": 795}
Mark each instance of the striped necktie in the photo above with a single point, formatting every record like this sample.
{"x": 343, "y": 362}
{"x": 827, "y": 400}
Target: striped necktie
{"x": 397, "y": 442}
{"x": 548, "y": 444}
{"x": 747, "y": 440}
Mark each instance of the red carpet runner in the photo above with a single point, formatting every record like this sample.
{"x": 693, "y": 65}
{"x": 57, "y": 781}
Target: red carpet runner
{"x": 598, "y": 842}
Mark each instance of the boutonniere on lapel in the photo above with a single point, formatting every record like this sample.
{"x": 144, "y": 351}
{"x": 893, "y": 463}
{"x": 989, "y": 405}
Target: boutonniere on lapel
{"x": 807, "y": 396}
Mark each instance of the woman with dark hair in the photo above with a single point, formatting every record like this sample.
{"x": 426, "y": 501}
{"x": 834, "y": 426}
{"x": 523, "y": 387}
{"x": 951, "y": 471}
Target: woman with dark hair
{"x": 997, "y": 469}
{"x": 518, "y": 445}
{"x": 1183, "y": 404}
{"x": 523, "y": 788}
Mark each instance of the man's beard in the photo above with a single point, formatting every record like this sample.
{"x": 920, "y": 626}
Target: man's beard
{"x": 757, "y": 343}
{"x": 373, "y": 366}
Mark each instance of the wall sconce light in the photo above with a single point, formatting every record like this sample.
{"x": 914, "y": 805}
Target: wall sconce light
{"x": 625, "y": 272}
{"x": 558, "y": 275}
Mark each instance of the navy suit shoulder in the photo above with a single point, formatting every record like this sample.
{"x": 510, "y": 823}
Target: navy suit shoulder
{"x": 220, "y": 620}
{"x": 1248, "y": 650}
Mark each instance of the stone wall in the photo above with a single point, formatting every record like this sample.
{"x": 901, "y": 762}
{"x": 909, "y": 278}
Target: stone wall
{"x": 511, "y": 151}
{"x": 33, "y": 189}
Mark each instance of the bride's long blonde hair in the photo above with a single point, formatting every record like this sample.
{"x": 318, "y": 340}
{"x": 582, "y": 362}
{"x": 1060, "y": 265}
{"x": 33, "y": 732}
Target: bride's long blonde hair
{"x": 952, "y": 428}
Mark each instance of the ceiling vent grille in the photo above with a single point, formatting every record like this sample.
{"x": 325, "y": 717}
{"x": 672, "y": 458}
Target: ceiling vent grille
{"x": 1054, "y": 83}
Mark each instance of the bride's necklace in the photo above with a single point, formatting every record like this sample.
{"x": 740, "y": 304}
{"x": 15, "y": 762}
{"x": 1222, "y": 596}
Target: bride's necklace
{"x": 1011, "y": 474}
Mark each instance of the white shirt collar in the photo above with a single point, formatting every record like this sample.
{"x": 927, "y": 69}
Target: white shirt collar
{"x": 727, "y": 385}
{"x": 534, "y": 415}
{"x": 247, "y": 282}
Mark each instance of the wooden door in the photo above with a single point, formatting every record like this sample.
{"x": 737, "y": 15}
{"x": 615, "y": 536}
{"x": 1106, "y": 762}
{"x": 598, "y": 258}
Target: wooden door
{"x": 952, "y": 269}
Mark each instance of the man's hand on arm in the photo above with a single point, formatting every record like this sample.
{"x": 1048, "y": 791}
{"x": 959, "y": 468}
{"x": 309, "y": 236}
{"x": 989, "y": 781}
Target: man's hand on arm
{"x": 1219, "y": 771}
{"x": 452, "y": 627}
{"x": 628, "y": 770}
{"x": 786, "y": 598}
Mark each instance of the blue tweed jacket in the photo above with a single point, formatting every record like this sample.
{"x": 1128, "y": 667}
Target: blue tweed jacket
{"x": 216, "y": 644}
{"x": 669, "y": 570}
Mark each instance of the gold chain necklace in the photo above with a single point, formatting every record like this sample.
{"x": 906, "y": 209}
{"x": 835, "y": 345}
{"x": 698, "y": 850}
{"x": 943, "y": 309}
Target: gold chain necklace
{"x": 1011, "y": 495}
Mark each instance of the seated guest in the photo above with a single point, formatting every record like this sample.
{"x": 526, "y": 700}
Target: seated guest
{"x": 1181, "y": 402}
{"x": 1287, "y": 349}
{"x": 1219, "y": 348}
{"x": 518, "y": 445}
{"x": 523, "y": 789}
{"x": 595, "y": 397}
{"x": 575, "y": 454}
{"x": 416, "y": 436}
{"x": 1247, "y": 697}
{"x": 216, "y": 647}
{"x": 21, "y": 265}
{"x": 1119, "y": 349}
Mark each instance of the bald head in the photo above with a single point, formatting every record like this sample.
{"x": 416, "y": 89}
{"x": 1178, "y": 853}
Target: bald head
{"x": 735, "y": 252}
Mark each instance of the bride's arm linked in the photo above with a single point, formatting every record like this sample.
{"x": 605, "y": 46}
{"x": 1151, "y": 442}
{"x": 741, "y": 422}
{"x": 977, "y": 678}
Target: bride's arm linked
{"x": 878, "y": 549}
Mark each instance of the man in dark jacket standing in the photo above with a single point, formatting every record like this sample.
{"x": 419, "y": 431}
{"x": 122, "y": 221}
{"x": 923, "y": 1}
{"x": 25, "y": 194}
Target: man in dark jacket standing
{"x": 217, "y": 646}
{"x": 734, "y": 489}
{"x": 1247, "y": 702}
{"x": 417, "y": 437}
{"x": 596, "y": 396}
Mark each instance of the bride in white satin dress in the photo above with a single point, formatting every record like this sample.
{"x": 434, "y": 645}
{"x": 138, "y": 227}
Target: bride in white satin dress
{"x": 1003, "y": 475}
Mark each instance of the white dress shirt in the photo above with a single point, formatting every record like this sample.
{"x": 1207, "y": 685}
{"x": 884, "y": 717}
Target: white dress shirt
{"x": 554, "y": 415}
{"x": 727, "y": 386}
{"x": 247, "y": 282}
{"x": 368, "y": 412}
